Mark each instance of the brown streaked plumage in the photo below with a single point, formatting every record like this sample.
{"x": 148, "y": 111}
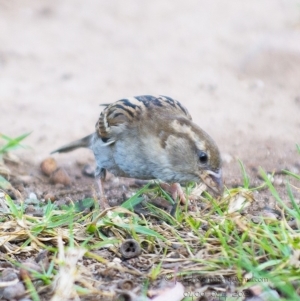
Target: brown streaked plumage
{"x": 151, "y": 137}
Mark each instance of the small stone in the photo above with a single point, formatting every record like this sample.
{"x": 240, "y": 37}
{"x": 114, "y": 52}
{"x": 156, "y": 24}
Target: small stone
{"x": 14, "y": 291}
{"x": 60, "y": 176}
{"x": 88, "y": 171}
{"x": 32, "y": 196}
{"x": 117, "y": 260}
{"x": 278, "y": 181}
{"x": 48, "y": 166}
{"x": 50, "y": 196}
{"x": 8, "y": 274}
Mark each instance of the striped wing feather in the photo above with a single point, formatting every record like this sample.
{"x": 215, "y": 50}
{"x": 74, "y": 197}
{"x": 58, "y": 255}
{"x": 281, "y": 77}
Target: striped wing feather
{"x": 128, "y": 110}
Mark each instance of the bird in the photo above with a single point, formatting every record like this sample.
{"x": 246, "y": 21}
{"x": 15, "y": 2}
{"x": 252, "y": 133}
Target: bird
{"x": 151, "y": 137}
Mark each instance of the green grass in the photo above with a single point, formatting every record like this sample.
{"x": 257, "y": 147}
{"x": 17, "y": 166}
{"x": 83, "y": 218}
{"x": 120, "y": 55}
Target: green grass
{"x": 11, "y": 144}
{"x": 215, "y": 240}
{"x": 8, "y": 144}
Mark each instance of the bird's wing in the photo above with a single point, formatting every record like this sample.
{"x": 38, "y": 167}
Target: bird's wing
{"x": 127, "y": 111}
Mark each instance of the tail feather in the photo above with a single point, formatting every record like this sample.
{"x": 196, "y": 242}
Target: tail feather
{"x": 84, "y": 142}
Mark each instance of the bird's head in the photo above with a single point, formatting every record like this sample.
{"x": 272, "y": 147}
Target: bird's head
{"x": 194, "y": 154}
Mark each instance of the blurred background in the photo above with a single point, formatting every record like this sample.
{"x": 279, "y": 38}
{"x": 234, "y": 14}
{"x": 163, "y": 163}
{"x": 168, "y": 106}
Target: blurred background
{"x": 234, "y": 64}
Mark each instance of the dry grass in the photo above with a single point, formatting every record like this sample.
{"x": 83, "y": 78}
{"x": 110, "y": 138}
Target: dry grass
{"x": 214, "y": 247}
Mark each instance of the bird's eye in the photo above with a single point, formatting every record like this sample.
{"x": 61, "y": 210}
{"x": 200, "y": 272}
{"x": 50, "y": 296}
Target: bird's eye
{"x": 203, "y": 157}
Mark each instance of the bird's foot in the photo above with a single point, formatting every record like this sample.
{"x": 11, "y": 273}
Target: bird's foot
{"x": 103, "y": 202}
{"x": 176, "y": 191}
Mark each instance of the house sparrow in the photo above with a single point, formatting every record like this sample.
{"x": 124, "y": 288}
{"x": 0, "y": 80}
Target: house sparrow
{"x": 151, "y": 137}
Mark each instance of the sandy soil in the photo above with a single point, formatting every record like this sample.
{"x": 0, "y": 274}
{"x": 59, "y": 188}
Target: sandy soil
{"x": 235, "y": 66}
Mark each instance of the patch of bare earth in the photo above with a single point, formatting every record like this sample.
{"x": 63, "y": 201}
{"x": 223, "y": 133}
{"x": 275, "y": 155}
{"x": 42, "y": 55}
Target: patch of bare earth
{"x": 236, "y": 69}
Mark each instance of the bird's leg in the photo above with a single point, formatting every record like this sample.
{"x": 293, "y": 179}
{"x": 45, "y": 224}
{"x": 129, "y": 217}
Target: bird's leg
{"x": 175, "y": 190}
{"x": 100, "y": 177}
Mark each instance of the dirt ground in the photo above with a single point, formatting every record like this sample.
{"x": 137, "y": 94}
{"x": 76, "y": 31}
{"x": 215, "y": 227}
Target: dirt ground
{"x": 234, "y": 65}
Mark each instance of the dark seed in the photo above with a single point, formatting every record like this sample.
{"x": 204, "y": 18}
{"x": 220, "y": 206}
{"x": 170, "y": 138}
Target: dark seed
{"x": 130, "y": 248}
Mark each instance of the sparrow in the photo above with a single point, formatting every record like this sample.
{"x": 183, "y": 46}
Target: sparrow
{"x": 151, "y": 137}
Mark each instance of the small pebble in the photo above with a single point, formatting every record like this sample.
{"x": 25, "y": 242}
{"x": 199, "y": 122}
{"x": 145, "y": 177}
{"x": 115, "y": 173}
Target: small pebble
{"x": 14, "y": 291}
{"x": 50, "y": 196}
{"x": 8, "y": 274}
{"x": 48, "y": 166}
{"x": 278, "y": 181}
{"x": 88, "y": 171}
{"x": 60, "y": 176}
{"x": 117, "y": 260}
{"x": 32, "y": 196}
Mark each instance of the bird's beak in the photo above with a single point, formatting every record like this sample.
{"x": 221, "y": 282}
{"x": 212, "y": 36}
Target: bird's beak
{"x": 216, "y": 177}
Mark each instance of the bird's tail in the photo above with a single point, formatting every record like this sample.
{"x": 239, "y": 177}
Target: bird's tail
{"x": 83, "y": 142}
